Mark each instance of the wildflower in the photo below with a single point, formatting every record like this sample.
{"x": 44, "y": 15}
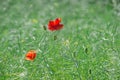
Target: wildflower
{"x": 55, "y": 24}
{"x": 23, "y": 74}
{"x": 66, "y": 42}
{"x": 30, "y": 55}
{"x": 34, "y": 20}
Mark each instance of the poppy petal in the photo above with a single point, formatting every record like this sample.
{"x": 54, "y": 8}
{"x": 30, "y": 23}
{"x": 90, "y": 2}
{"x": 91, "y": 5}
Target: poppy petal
{"x": 55, "y": 24}
{"x": 60, "y": 26}
{"x": 51, "y": 23}
{"x": 57, "y": 21}
{"x": 31, "y": 55}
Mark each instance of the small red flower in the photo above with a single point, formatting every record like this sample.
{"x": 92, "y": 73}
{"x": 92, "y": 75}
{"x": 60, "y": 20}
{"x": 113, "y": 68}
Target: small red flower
{"x": 55, "y": 24}
{"x": 30, "y": 55}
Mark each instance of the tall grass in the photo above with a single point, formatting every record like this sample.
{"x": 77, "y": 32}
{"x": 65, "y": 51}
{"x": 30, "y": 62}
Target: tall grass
{"x": 87, "y": 48}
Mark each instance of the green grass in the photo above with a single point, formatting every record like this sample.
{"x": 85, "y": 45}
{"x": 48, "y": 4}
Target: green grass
{"x": 87, "y": 48}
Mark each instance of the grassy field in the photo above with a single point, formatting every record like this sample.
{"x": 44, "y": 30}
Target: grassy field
{"x": 87, "y": 48}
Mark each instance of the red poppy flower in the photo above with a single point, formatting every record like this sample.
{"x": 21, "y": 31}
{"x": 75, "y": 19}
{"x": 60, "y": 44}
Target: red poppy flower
{"x": 30, "y": 55}
{"x": 55, "y": 24}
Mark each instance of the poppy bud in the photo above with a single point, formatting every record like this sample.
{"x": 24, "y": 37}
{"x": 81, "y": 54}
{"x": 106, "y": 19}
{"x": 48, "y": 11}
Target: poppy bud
{"x": 86, "y": 50}
{"x": 44, "y": 27}
{"x": 55, "y": 37}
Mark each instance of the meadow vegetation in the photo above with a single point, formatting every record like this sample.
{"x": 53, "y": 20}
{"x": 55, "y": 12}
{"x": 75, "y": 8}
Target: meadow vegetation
{"x": 87, "y": 48}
